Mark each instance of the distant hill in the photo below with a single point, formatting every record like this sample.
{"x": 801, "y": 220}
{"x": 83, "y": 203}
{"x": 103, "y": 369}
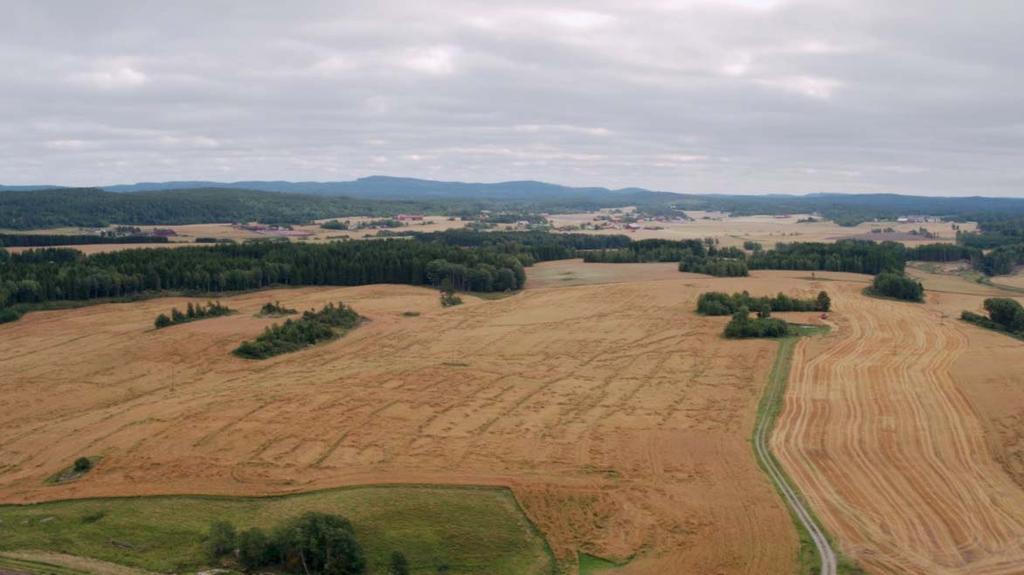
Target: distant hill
{"x": 386, "y": 187}
{"x": 185, "y": 201}
{"x": 91, "y": 207}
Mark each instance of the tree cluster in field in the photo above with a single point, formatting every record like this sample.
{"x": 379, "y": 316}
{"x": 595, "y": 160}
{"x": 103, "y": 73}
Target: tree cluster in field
{"x": 856, "y": 256}
{"x": 191, "y": 313}
{"x": 292, "y": 335}
{"x": 743, "y": 326}
{"x": 752, "y": 246}
{"x": 43, "y": 240}
{"x": 336, "y": 225}
{"x": 896, "y": 285}
{"x": 719, "y": 303}
{"x": 312, "y": 543}
{"x": 54, "y": 274}
{"x": 275, "y": 308}
{"x": 1004, "y": 314}
{"x": 448, "y": 297}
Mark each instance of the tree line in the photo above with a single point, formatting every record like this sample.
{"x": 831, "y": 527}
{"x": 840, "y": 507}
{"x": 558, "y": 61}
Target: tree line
{"x": 312, "y": 328}
{"x": 54, "y": 274}
{"x": 528, "y": 247}
{"x": 855, "y": 256}
{"x": 720, "y": 303}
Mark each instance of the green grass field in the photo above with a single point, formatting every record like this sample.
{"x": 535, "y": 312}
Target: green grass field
{"x": 448, "y": 530}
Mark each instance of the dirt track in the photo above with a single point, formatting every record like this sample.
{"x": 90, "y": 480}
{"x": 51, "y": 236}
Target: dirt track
{"x": 619, "y": 417}
{"x": 888, "y": 449}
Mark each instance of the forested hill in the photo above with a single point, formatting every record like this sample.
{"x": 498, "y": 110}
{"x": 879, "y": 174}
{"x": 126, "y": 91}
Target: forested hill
{"x": 93, "y": 207}
{"x": 846, "y": 209}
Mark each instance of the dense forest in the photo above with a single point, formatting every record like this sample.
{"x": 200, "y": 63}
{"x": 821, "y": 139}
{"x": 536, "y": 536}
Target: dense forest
{"x": 43, "y": 240}
{"x": 856, "y": 256}
{"x": 89, "y": 207}
{"x": 54, "y": 274}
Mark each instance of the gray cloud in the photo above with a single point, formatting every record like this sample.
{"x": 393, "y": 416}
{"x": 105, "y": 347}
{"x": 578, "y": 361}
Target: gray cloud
{"x": 746, "y": 96}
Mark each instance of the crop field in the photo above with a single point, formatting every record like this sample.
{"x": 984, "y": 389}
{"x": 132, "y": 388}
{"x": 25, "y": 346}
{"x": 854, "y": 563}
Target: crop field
{"x": 768, "y": 230}
{"x": 187, "y": 234}
{"x": 617, "y": 416}
{"x": 902, "y": 428}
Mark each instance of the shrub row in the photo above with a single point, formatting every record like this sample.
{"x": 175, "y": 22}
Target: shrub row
{"x": 192, "y": 313}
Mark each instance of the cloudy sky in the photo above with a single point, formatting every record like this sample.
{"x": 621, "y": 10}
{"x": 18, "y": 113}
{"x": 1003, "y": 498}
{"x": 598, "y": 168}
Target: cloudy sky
{"x": 746, "y": 96}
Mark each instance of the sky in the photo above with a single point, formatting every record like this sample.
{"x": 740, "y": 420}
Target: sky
{"x": 697, "y": 96}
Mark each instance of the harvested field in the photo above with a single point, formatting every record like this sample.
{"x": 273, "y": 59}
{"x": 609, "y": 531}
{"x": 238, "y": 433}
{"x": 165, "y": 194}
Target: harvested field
{"x": 618, "y": 417}
{"x": 768, "y": 230}
{"x": 899, "y": 429}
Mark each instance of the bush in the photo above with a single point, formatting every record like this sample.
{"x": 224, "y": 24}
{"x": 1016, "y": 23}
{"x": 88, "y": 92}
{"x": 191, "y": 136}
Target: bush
{"x": 275, "y": 308}
{"x": 255, "y": 549}
{"x": 220, "y": 539}
{"x": 7, "y": 314}
{"x": 448, "y": 299}
{"x": 399, "y": 564}
{"x": 82, "y": 465}
{"x": 896, "y": 285}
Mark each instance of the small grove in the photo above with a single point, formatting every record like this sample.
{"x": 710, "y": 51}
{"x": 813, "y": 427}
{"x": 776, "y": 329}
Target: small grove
{"x": 719, "y": 303}
{"x": 191, "y": 313}
{"x": 312, "y": 328}
{"x": 314, "y": 542}
{"x": 743, "y": 326}
{"x": 896, "y": 285}
{"x": 1004, "y": 314}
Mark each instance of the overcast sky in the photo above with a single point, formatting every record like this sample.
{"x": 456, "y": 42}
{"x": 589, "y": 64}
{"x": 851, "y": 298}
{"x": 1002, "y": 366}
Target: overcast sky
{"x": 746, "y": 96}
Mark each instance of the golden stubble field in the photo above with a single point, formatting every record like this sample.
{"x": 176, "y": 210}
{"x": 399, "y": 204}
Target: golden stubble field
{"x": 618, "y": 417}
{"x": 903, "y": 428}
